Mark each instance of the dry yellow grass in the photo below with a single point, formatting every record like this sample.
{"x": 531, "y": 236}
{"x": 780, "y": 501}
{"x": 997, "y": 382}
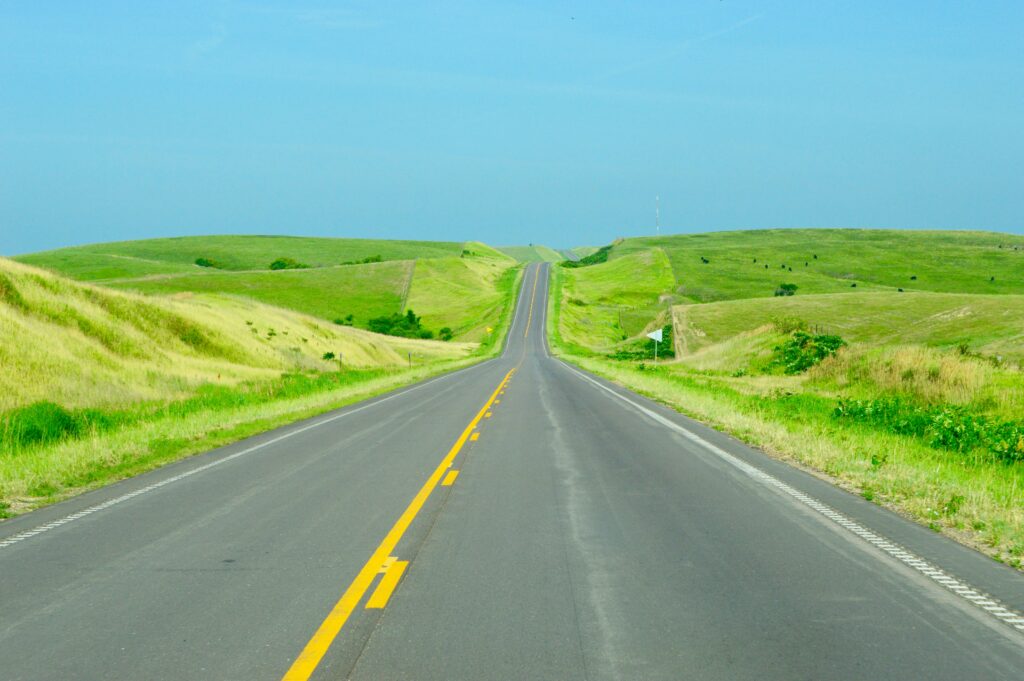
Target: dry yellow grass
{"x": 80, "y": 345}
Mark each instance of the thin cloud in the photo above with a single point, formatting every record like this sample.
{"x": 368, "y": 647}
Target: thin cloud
{"x": 678, "y": 49}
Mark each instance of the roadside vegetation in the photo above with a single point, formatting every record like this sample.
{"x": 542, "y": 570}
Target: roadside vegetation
{"x": 98, "y": 384}
{"x": 913, "y": 399}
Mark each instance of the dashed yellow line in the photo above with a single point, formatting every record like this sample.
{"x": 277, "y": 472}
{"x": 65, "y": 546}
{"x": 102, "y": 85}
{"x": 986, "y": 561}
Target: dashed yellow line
{"x": 387, "y": 585}
{"x": 474, "y": 437}
{"x": 450, "y": 478}
{"x": 529, "y": 319}
{"x": 305, "y": 664}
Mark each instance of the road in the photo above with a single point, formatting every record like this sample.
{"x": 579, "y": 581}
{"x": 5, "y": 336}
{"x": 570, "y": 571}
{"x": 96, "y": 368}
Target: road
{"x": 515, "y": 520}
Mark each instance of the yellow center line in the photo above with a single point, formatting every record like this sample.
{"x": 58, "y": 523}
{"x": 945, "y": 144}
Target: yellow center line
{"x": 387, "y": 585}
{"x": 474, "y": 437}
{"x": 305, "y": 664}
{"x": 450, "y": 478}
{"x": 529, "y": 318}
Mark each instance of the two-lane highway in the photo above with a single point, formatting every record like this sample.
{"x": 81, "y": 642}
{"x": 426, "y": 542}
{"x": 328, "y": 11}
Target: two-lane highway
{"x": 516, "y": 520}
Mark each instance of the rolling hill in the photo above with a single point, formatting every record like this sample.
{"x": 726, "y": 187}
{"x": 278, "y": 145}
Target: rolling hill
{"x": 350, "y": 281}
{"x": 88, "y": 346}
{"x": 531, "y": 253}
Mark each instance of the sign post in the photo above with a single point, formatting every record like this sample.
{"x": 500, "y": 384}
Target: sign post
{"x": 655, "y": 336}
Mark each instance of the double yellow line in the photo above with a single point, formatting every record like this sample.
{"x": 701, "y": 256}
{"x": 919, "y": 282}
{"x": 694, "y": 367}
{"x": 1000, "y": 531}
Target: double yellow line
{"x": 305, "y": 664}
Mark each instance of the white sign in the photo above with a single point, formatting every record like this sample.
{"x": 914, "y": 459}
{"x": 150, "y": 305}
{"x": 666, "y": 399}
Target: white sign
{"x": 655, "y": 335}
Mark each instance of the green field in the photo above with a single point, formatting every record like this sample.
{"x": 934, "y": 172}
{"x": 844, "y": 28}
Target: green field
{"x": 946, "y": 353}
{"x": 989, "y": 324}
{"x": 949, "y": 262}
{"x": 533, "y": 253}
{"x": 364, "y": 291}
{"x": 174, "y": 255}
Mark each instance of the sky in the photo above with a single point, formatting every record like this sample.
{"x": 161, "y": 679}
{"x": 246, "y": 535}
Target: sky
{"x": 511, "y": 123}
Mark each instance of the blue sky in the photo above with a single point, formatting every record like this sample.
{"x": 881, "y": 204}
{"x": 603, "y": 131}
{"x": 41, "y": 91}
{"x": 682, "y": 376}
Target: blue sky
{"x": 547, "y": 122}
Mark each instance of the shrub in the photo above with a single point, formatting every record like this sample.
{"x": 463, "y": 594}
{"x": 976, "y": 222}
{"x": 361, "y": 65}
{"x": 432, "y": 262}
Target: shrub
{"x": 804, "y": 350}
{"x": 786, "y": 290}
{"x": 789, "y": 324}
{"x": 445, "y": 333}
{"x": 207, "y": 262}
{"x": 948, "y": 427}
{"x": 328, "y": 356}
{"x": 287, "y": 264}
{"x": 348, "y": 320}
{"x": 645, "y": 348}
{"x": 406, "y": 326}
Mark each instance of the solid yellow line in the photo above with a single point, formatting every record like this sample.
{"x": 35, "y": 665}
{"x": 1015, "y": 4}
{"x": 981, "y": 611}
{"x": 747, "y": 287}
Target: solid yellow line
{"x": 316, "y": 648}
{"x": 450, "y": 478}
{"x": 387, "y": 585}
{"x": 529, "y": 319}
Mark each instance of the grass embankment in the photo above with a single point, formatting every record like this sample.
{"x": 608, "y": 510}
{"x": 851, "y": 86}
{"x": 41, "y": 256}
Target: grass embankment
{"x": 532, "y": 253}
{"x": 921, "y": 411}
{"x": 99, "y": 384}
{"x": 348, "y": 281}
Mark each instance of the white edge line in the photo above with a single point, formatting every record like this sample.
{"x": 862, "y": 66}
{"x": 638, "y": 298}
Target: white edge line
{"x": 46, "y": 527}
{"x": 957, "y": 587}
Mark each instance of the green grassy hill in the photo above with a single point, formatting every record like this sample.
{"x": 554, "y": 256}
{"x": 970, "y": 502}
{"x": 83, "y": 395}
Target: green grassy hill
{"x": 175, "y": 255}
{"x": 723, "y": 266}
{"x": 832, "y": 260}
{"x": 364, "y": 291}
{"x": 86, "y": 346}
{"x": 988, "y": 324}
{"x": 405, "y": 278}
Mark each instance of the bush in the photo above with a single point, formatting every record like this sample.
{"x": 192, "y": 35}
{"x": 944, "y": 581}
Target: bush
{"x": 406, "y": 326}
{"x": 328, "y": 356}
{"x": 287, "y": 264}
{"x": 786, "y": 289}
{"x": 789, "y": 324}
{"x": 348, "y": 320}
{"x": 948, "y": 427}
{"x": 804, "y": 350}
{"x": 207, "y": 262}
{"x": 445, "y": 333}
{"x": 364, "y": 261}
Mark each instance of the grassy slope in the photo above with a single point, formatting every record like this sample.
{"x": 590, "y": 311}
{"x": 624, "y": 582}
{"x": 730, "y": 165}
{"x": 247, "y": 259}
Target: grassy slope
{"x": 717, "y": 379}
{"x": 465, "y": 294}
{"x": 536, "y": 253}
{"x": 327, "y": 290}
{"x": 88, "y": 346}
{"x": 365, "y": 291}
{"x": 952, "y": 262}
{"x": 175, "y": 255}
{"x": 607, "y": 303}
{"x": 991, "y": 324}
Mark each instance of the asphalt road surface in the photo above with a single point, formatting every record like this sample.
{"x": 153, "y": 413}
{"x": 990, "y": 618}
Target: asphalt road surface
{"x": 515, "y": 520}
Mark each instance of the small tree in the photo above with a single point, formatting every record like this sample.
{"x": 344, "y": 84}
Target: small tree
{"x": 786, "y": 290}
{"x": 328, "y": 356}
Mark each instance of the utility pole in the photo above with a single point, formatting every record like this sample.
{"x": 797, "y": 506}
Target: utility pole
{"x": 657, "y": 214}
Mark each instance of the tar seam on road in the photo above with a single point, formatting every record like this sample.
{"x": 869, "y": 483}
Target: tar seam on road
{"x": 955, "y": 586}
{"x": 529, "y": 319}
{"x": 40, "y": 529}
{"x": 308, "y": 660}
